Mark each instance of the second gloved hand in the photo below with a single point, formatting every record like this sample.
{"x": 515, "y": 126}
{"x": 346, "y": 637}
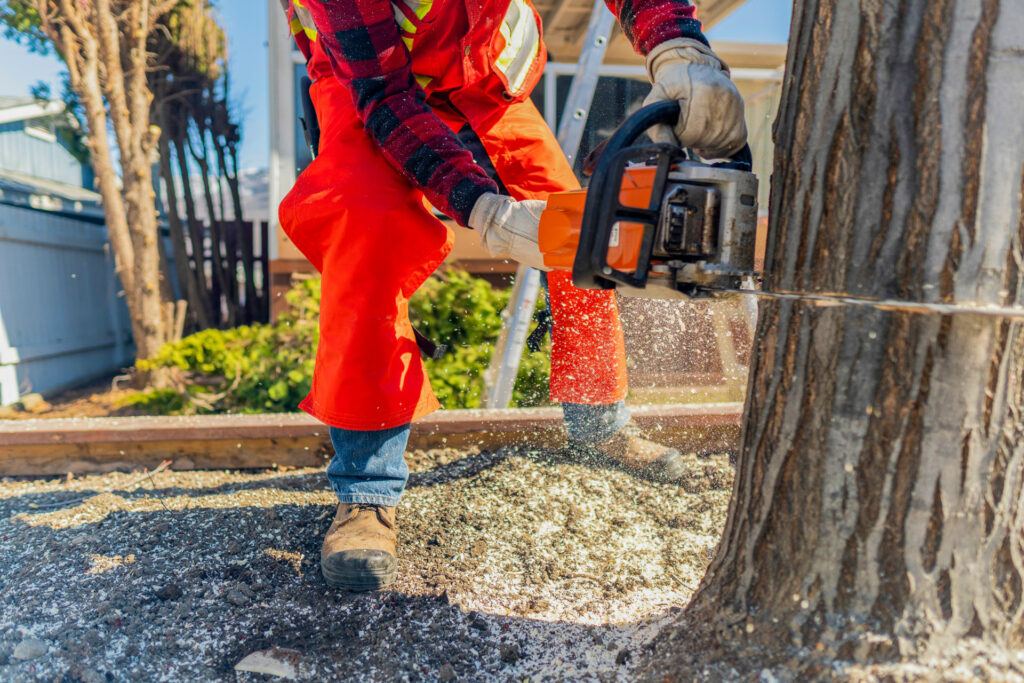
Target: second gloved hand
{"x": 509, "y": 228}
{"x": 711, "y": 108}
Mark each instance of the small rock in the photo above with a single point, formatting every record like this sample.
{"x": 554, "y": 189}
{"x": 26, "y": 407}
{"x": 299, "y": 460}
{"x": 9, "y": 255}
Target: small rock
{"x": 91, "y": 676}
{"x": 477, "y": 621}
{"x": 275, "y": 662}
{"x": 611, "y": 646}
{"x": 622, "y": 657}
{"x": 34, "y": 403}
{"x": 446, "y": 674}
{"x": 237, "y": 598}
{"x": 171, "y": 591}
{"x": 30, "y": 648}
{"x": 84, "y": 539}
{"x": 509, "y": 653}
{"x": 82, "y": 674}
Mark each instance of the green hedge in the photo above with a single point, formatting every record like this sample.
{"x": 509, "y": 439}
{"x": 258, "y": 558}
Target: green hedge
{"x": 263, "y": 368}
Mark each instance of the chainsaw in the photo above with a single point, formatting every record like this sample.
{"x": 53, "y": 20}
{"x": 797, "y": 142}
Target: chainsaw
{"x": 656, "y": 220}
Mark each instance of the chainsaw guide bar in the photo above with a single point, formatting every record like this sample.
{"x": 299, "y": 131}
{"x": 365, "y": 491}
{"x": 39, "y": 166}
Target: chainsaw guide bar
{"x": 891, "y": 305}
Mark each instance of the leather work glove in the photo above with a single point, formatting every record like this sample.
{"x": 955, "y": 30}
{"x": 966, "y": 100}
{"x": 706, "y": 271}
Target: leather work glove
{"x": 711, "y": 110}
{"x": 508, "y": 227}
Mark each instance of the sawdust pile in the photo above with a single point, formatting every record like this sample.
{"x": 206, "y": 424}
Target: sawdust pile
{"x": 513, "y": 565}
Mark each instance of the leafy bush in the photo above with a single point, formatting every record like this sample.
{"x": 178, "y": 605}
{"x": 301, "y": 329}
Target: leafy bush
{"x": 269, "y": 368}
{"x": 464, "y": 313}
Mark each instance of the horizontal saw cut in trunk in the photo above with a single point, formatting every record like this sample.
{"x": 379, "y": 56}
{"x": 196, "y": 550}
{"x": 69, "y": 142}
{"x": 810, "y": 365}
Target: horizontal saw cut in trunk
{"x": 877, "y": 513}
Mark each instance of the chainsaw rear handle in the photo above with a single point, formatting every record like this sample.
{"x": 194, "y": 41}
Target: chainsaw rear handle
{"x": 603, "y": 210}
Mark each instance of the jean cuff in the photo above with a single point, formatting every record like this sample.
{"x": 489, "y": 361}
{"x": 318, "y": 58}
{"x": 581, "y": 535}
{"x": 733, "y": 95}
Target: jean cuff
{"x": 590, "y": 425}
{"x": 367, "y": 499}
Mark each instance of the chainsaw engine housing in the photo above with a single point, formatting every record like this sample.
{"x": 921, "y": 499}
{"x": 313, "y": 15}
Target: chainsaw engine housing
{"x": 655, "y": 218}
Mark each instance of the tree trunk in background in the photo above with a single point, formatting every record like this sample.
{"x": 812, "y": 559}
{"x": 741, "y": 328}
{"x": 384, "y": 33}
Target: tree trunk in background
{"x": 123, "y": 54}
{"x": 877, "y": 510}
{"x": 197, "y": 302}
{"x": 220, "y": 274}
{"x": 251, "y": 297}
{"x": 195, "y": 230}
{"x": 104, "y": 45}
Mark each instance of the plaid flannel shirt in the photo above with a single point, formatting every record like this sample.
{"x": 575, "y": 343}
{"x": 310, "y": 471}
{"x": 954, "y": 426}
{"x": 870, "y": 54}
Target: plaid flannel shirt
{"x": 367, "y": 54}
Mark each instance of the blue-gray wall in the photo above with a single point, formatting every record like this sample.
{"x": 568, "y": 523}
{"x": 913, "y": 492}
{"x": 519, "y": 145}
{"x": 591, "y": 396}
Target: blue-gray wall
{"x": 62, "y": 322}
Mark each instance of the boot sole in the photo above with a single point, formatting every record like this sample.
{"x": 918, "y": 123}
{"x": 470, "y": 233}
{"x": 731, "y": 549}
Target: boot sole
{"x": 359, "y": 570}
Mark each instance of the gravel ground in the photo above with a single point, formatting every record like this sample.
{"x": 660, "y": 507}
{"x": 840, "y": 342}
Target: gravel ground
{"x": 514, "y": 565}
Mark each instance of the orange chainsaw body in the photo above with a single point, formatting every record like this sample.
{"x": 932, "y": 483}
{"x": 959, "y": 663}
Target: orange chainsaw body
{"x": 562, "y": 220}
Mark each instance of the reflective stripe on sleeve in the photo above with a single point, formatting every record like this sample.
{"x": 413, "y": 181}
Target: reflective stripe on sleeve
{"x": 522, "y": 44}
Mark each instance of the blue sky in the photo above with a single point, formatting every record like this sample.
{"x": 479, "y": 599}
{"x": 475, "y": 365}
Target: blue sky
{"x": 758, "y": 21}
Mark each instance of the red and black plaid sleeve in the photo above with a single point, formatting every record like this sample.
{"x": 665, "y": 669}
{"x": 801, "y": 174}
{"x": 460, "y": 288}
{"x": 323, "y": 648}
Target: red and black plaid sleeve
{"x": 366, "y": 51}
{"x": 648, "y": 23}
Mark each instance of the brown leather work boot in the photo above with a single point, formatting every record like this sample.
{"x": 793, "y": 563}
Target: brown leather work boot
{"x": 628, "y": 448}
{"x": 358, "y": 553}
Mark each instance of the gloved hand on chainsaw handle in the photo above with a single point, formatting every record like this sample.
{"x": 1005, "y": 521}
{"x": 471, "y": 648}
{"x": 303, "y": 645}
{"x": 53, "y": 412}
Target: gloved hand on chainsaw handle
{"x": 509, "y": 228}
{"x": 711, "y": 109}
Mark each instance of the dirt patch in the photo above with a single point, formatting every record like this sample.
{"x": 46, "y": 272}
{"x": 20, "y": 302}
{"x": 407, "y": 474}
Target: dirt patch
{"x": 99, "y": 399}
{"x": 514, "y": 564}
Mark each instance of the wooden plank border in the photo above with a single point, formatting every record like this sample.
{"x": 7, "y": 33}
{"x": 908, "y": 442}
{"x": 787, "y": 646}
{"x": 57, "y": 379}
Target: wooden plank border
{"x": 55, "y": 447}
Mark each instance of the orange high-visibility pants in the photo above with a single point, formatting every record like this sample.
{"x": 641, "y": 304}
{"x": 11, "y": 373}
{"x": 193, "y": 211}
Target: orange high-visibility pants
{"x": 369, "y": 233}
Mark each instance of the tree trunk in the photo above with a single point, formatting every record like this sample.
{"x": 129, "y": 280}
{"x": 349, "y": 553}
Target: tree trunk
{"x": 197, "y": 303}
{"x": 195, "y": 231}
{"x": 877, "y": 510}
{"x": 85, "y": 52}
{"x": 220, "y": 274}
{"x": 124, "y": 59}
{"x": 245, "y": 231}
{"x": 224, "y": 178}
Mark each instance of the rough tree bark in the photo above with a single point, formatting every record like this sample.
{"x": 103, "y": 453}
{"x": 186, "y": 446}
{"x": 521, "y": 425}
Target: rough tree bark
{"x": 877, "y": 512}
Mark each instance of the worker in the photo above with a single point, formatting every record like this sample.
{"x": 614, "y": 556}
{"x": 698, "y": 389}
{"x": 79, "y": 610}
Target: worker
{"x": 398, "y": 89}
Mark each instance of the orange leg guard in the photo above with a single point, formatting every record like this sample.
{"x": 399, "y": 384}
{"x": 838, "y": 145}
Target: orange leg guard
{"x": 368, "y": 232}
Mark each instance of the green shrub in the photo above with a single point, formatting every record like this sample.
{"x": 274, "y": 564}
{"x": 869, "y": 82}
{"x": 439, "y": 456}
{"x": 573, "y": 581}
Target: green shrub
{"x": 464, "y": 313}
{"x": 269, "y": 368}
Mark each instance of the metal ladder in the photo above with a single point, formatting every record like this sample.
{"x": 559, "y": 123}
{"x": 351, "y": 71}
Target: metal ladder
{"x": 500, "y": 378}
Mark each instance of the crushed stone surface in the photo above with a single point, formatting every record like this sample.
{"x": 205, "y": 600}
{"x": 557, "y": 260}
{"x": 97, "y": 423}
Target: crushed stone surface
{"x": 513, "y": 565}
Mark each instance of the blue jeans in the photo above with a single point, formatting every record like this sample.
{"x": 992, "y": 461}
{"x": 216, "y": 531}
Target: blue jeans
{"x": 369, "y": 467}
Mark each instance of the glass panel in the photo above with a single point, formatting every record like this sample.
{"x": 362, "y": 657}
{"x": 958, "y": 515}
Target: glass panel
{"x": 303, "y": 157}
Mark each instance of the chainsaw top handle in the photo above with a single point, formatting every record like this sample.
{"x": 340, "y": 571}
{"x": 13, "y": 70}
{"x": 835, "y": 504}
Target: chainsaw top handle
{"x": 645, "y": 118}
{"x": 603, "y": 210}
